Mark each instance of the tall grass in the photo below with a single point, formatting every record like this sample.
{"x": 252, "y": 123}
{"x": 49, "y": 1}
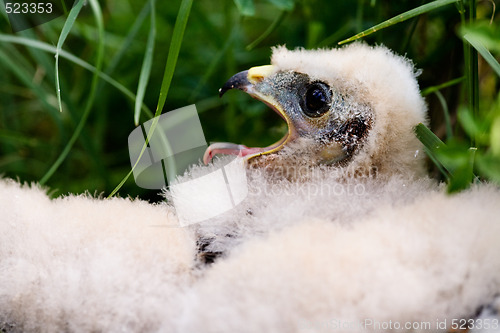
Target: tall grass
{"x": 180, "y": 52}
{"x": 459, "y": 162}
{"x": 96, "y": 9}
{"x": 177, "y": 36}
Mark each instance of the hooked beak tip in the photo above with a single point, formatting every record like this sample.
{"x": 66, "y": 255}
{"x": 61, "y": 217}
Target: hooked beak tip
{"x": 237, "y": 81}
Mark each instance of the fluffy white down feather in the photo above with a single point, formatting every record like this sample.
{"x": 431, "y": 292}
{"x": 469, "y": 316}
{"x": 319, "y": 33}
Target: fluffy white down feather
{"x": 411, "y": 254}
{"x": 303, "y": 257}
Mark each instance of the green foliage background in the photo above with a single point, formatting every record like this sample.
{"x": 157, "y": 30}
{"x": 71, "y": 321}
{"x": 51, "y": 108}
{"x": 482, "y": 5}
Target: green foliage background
{"x": 223, "y": 37}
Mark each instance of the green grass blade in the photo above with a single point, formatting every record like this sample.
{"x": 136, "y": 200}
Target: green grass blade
{"x": 446, "y": 113}
{"x": 211, "y": 68}
{"x": 283, "y": 4}
{"x": 358, "y": 21}
{"x": 173, "y": 52}
{"x": 464, "y": 174}
{"x": 119, "y": 186}
{"x": 73, "y": 14}
{"x": 15, "y": 62}
{"x": 2, "y": 10}
{"x": 487, "y": 34}
{"x": 450, "y": 83}
{"x": 343, "y": 30}
{"x": 16, "y": 138}
{"x": 458, "y": 162}
{"x": 495, "y": 136}
{"x": 245, "y": 7}
{"x": 146, "y": 65}
{"x": 409, "y": 36}
{"x": 277, "y": 21}
{"x": 10, "y": 62}
{"x": 90, "y": 101}
{"x": 74, "y": 59}
{"x": 432, "y": 144}
{"x": 128, "y": 40}
{"x": 41, "y": 58}
{"x": 471, "y": 61}
{"x": 65, "y": 10}
{"x": 483, "y": 51}
{"x": 400, "y": 18}
{"x": 488, "y": 165}
{"x": 429, "y": 139}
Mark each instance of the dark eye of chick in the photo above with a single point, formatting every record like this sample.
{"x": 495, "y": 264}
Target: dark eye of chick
{"x": 316, "y": 100}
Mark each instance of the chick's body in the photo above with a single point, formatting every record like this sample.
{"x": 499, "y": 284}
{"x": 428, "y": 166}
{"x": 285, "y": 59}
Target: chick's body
{"x": 365, "y": 237}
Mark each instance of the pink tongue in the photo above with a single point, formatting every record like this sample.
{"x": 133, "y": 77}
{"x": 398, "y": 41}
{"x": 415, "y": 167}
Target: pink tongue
{"x": 228, "y": 148}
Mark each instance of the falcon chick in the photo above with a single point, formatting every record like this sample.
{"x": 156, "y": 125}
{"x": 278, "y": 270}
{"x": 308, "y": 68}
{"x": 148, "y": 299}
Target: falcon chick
{"x": 316, "y": 255}
{"x": 352, "y": 110}
{"x": 353, "y": 107}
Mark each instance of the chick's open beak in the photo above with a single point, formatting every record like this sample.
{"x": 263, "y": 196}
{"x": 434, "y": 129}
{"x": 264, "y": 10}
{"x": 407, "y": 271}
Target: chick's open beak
{"x": 250, "y": 81}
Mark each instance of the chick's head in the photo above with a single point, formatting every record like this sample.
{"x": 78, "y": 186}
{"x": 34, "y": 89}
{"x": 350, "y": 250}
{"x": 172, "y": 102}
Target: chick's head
{"x": 354, "y": 107}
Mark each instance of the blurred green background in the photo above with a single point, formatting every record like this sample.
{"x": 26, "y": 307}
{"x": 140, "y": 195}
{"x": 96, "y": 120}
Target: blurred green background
{"x": 221, "y": 38}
